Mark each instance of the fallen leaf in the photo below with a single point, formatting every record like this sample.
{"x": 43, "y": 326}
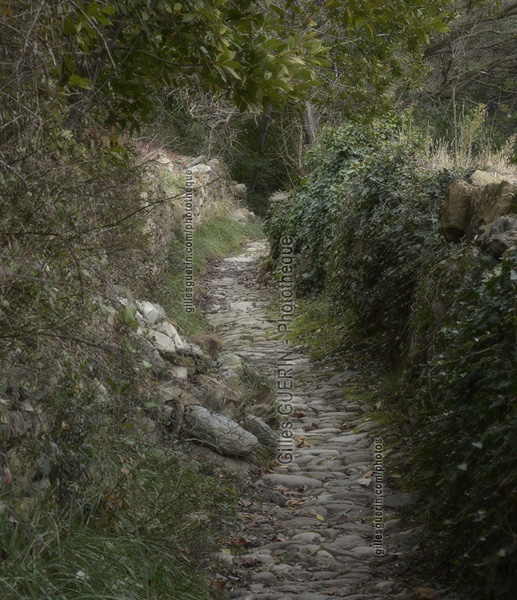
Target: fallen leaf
{"x": 320, "y": 517}
{"x": 369, "y": 474}
{"x": 125, "y": 471}
{"x": 245, "y": 561}
{"x": 425, "y": 593}
{"x": 342, "y": 519}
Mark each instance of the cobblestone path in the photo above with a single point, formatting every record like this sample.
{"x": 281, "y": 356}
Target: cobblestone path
{"x": 308, "y": 528}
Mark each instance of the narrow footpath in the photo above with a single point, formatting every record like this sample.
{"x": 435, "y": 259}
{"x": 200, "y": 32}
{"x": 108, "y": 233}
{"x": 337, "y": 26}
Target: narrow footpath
{"x": 309, "y": 530}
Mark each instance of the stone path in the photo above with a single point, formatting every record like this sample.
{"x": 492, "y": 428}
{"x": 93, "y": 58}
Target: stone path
{"x": 306, "y": 530}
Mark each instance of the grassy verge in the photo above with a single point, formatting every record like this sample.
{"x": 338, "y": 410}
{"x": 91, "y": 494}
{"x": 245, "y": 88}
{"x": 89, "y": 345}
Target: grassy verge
{"x": 320, "y": 329}
{"x": 216, "y": 237}
{"x": 139, "y": 532}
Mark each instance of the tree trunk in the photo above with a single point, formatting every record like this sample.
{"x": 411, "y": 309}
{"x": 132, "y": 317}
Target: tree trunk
{"x": 260, "y": 150}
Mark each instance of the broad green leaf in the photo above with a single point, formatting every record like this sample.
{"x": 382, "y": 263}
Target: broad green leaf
{"x": 76, "y": 81}
{"x": 128, "y": 315}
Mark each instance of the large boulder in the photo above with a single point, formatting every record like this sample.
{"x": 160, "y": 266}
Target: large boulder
{"x": 266, "y": 436}
{"x": 456, "y": 212}
{"x": 470, "y": 209}
{"x": 218, "y": 432}
{"x": 496, "y": 201}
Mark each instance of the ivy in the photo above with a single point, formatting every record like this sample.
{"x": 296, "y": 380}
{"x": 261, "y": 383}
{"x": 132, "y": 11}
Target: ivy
{"x": 441, "y": 317}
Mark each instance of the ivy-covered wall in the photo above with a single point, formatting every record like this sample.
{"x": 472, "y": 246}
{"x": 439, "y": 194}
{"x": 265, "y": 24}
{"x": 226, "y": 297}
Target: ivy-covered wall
{"x": 438, "y": 317}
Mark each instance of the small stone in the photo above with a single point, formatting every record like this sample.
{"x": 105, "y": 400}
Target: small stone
{"x": 153, "y": 313}
{"x": 239, "y": 216}
{"x": 291, "y": 481}
{"x": 178, "y": 372}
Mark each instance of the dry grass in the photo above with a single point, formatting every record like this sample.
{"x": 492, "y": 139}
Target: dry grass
{"x": 442, "y": 155}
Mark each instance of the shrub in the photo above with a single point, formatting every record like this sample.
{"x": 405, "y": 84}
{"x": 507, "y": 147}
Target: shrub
{"x": 441, "y": 316}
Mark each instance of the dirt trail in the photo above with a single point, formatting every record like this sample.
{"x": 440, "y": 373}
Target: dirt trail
{"x": 307, "y": 529}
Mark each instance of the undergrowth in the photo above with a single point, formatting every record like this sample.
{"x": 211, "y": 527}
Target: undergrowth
{"x": 216, "y": 237}
{"x": 438, "y": 319}
{"x": 139, "y": 529}
{"x": 320, "y": 328}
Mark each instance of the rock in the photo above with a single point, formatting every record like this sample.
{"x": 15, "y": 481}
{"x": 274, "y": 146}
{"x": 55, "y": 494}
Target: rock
{"x": 496, "y": 201}
{"x": 279, "y": 197}
{"x": 308, "y": 537}
{"x": 239, "y": 189}
{"x": 228, "y": 361}
{"x": 163, "y": 343}
{"x": 471, "y": 207}
{"x": 215, "y": 395}
{"x": 167, "y": 328}
{"x": 149, "y": 352}
{"x": 482, "y": 179}
{"x": 152, "y": 313}
{"x": 196, "y": 161}
{"x": 455, "y": 215}
{"x": 148, "y": 429}
{"x": 501, "y": 236}
{"x": 291, "y": 481}
{"x": 211, "y": 343}
{"x": 238, "y": 216}
{"x": 170, "y": 393}
{"x": 178, "y": 372}
{"x": 384, "y": 587}
{"x": 232, "y": 463}
{"x": 192, "y": 350}
{"x": 219, "y": 432}
{"x": 200, "y": 168}
{"x": 232, "y": 379}
{"x": 265, "y": 435}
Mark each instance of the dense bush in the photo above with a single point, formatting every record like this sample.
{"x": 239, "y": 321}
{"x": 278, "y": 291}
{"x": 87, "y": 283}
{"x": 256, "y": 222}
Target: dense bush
{"x": 441, "y": 316}
{"x": 464, "y": 452}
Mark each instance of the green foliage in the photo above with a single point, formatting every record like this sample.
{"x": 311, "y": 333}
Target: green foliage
{"x": 338, "y": 164}
{"x": 320, "y": 327}
{"x": 114, "y": 57}
{"x": 463, "y": 445}
{"x": 126, "y": 516}
{"x": 444, "y": 315}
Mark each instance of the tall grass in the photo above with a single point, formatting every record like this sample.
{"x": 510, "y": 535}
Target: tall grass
{"x": 217, "y": 236}
{"x": 140, "y": 534}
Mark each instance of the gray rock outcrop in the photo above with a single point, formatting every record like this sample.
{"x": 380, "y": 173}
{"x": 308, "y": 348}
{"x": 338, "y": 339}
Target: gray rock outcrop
{"x": 219, "y": 432}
